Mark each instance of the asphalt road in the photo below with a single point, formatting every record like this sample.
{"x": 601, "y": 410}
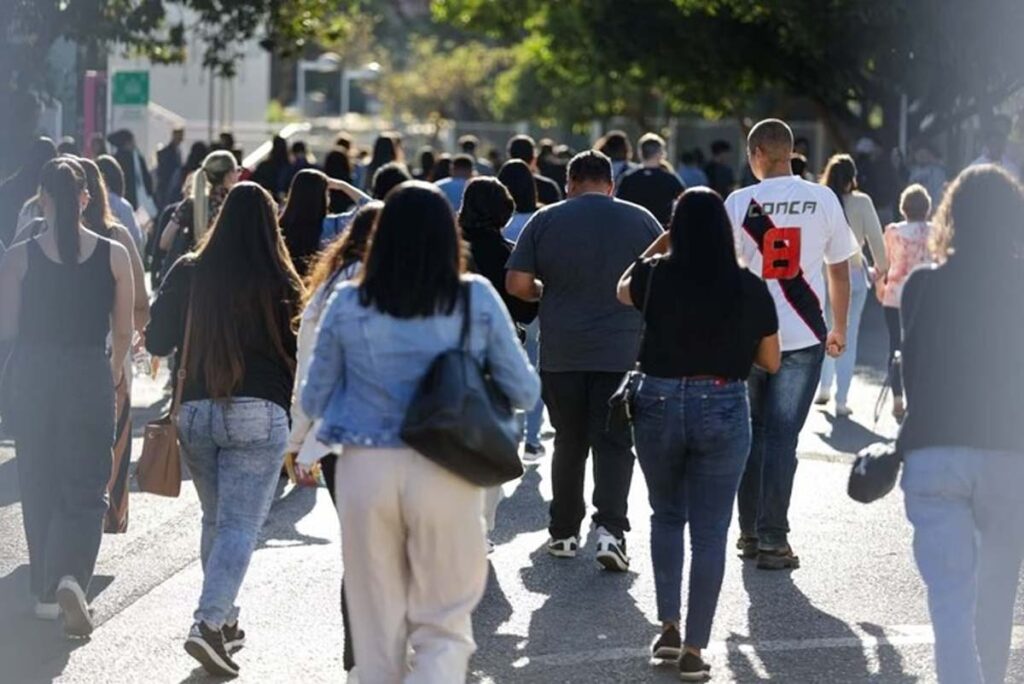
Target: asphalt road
{"x": 855, "y": 611}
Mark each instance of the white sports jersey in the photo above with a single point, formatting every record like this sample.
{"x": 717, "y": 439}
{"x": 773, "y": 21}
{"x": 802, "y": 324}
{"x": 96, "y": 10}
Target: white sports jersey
{"x": 786, "y": 230}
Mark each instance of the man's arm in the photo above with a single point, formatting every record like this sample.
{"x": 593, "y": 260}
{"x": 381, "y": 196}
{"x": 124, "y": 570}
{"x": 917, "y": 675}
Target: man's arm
{"x": 839, "y": 297}
{"x": 524, "y": 286}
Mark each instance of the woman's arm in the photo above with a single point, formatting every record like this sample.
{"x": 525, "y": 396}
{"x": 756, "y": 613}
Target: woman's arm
{"x": 13, "y": 266}
{"x": 659, "y": 246}
{"x": 141, "y": 310}
{"x": 301, "y": 423}
{"x": 167, "y": 315}
{"x": 327, "y": 365}
{"x": 506, "y": 357}
{"x": 354, "y": 193}
{"x": 769, "y": 354}
{"x": 873, "y": 234}
{"x": 121, "y": 327}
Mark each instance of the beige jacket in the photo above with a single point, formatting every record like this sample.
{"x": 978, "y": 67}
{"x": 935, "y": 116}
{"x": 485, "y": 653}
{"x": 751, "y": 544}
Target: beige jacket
{"x": 863, "y": 219}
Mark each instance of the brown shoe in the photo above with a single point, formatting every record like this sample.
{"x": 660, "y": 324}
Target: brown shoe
{"x": 777, "y": 559}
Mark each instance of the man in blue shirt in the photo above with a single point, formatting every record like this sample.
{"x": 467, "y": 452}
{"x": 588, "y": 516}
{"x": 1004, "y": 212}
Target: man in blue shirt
{"x": 455, "y": 185}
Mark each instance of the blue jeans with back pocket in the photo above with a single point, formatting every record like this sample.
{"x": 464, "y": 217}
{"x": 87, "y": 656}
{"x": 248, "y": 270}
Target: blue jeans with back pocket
{"x": 692, "y": 441}
{"x": 234, "y": 450}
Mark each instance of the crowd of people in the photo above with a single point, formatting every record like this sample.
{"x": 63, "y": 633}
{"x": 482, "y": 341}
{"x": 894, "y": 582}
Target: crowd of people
{"x": 301, "y": 305}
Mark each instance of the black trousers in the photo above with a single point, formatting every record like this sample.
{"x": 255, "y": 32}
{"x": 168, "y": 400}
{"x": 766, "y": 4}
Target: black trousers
{"x": 329, "y": 466}
{"x": 61, "y": 415}
{"x": 578, "y": 406}
{"x": 892, "y": 322}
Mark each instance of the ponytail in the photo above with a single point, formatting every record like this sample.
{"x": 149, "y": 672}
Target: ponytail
{"x": 216, "y": 166}
{"x": 63, "y": 180}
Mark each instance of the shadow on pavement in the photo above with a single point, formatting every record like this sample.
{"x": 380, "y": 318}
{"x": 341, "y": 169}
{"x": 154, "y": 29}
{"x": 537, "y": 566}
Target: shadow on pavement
{"x": 285, "y": 514}
{"x": 9, "y": 492}
{"x": 780, "y": 617}
{"x": 529, "y": 510}
{"x": 32, "y": 650}
{"x": 848, "y": 436}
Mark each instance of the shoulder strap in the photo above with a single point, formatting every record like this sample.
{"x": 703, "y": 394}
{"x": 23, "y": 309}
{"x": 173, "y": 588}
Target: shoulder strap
{"x": 467, "y": 289}
{"x": 643, "y": 310}
{"x": 179, "y": 386}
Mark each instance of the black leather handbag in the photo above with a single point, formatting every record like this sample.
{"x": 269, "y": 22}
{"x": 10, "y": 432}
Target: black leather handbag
{"x": 461, "y": 420}
{"x": 877, "y": 467}
{"x": 620, "y": 404}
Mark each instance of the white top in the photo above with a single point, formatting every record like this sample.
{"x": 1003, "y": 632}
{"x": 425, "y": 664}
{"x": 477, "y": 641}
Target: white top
{"x": 863, "y": 219}
{"x": 802, "y": 227}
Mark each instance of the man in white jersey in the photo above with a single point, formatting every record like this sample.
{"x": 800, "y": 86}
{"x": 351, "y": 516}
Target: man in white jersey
{"x": 786, "y": 229}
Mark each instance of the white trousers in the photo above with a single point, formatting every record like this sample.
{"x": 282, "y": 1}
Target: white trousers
{"x": 415, "y": 565}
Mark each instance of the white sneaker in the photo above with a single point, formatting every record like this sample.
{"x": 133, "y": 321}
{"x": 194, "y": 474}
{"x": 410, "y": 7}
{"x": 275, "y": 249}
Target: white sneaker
{"x": 611, "y": 551}
{"x": 47, "y": 611}
{"x": 843, "y": 411}
{"x": 564, "y": 548}
{"x": 74, "y": 609}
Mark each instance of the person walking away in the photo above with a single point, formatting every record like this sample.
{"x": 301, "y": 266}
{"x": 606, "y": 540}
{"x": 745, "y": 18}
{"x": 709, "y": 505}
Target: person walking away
{"x": 305, "y": 215}
{"x": 708, "y": 320}
{"x": 570, "y": 257}
{"x": 963, "y": 329}
{"x": 168, "y": 161}
{"x": 96, "y": 216}
{"x": 616, "y": 145}
{"x": 486, "y": 208}
{"x": 269, "y": 170}
{"x": 412, "y": 532}
{"x": 387, "y": 149}
{"x": 841, "y": 176}
{"x": 113, "y": 179}
{"x": 650, "y": 185}
{"x": 197, "y": 213}
{"x": 338, "y": 167}
{"x": 520, "y": 181}
{"x": 906, "y": 244}
{"x": 928, "y": 171}
{"x": 138, "y": 183}
{"x": 61, "y": 294}
{"x": 690, "y": 171}
{"x": 468, "y": 144}
{"x": 522, "y": 147}
{"x": 427, "y": 159}
{"x": 385, "y": 179}
{"x": 300, "y": 159}
{"x": 338, "y": 263}
{"x": 719, "y": 170}
{"x": 790, "y": 233}
{"x": 455, "y": 185}
{"x": 235, "y": 298}
{"x": 21, "y": 187}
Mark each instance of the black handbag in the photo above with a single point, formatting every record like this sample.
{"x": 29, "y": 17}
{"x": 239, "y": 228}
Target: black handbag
{"x": 620, "y": 404}
{"x": 461, "y": 420}
{"x": 877, "y": 467}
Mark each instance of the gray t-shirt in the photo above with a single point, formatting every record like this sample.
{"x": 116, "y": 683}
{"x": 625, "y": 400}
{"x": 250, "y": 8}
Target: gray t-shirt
{"x": 579, "y": 249}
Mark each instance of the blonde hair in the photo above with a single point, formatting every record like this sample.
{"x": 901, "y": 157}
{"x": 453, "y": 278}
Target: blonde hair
{"x": 216, "y": 166}
{"x": 915, "y": 202}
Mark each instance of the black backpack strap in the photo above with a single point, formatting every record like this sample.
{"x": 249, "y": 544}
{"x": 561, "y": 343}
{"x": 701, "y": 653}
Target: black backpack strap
{"x": 467, "y": 290}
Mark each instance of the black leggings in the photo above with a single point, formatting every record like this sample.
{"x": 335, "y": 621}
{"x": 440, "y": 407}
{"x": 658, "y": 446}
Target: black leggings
{"x": 892, "y": 321}
{"x": 328, "y": 465}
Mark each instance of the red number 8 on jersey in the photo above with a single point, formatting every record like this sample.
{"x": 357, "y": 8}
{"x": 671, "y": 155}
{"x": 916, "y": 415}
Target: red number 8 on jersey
{"x": 781, "y": 254}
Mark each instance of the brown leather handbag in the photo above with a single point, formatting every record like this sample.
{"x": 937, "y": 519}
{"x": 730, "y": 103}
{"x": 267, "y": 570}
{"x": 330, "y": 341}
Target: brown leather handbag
{"x": 159, "y": 468}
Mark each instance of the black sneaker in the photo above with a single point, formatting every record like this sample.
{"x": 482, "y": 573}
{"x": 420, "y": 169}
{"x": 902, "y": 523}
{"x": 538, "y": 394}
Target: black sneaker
{"x": 234, "y": 637}
{"x": 563, "y": 548}
{"x": 611, "y": 551}
{"x": 668, "y": 646}
{"x": 747, "y": 547}
{"x": 533, "y": 453}
{"x": 692, "y": 668}
{"x": 207, "y": 646}
{"x": 778, "y": 559}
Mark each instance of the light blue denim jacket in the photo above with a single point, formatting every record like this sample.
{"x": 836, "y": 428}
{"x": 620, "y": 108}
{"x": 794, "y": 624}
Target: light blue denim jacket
{"x": 367, "y": 365}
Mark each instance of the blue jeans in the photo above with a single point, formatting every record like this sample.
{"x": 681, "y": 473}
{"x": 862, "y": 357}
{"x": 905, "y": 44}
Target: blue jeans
{"x": 778, "y": 409}
{"x": 968, "y": 519}
{"x": 841, "y": 369}
{"x": 692, "y": 441}
{"x": 535, "y": 416}
{"x": 233, "y": 450}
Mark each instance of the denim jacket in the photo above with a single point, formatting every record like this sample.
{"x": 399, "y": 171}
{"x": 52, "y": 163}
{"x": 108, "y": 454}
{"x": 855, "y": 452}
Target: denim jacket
{"x": 367, "y": 365}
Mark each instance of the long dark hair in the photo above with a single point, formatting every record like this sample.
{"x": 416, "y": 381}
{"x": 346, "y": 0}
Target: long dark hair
{"x": 113, "y": 174}
{"x": 386, "y": 149}
{"x": 346, "y": 249}
{"x": 840, "y": 175}
{"x": 96, "y": 216}
{"x": 415, "y": 260}
{"x": 246, "y": 287}
{"x": 978, "y": 224}
{"x": 304, "y": 211}
{"x": 442, "y": 167}
{"x": 515, "y": 175}
{"x": 63, "y": 180}
{"x": 704, "y": 252}
{"x": 486, "y": 206}
{"x": 337, "y": 165}
{"x": 278, "y": 152}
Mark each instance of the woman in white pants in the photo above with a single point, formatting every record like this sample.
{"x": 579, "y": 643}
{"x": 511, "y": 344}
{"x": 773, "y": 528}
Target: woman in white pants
{"x": 413, "y": 534}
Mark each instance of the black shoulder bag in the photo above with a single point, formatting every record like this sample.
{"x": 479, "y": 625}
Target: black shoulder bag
{"x": 620, "y": 404}
{"x": 460, "y": 419}
{"x": 877, "y": 467}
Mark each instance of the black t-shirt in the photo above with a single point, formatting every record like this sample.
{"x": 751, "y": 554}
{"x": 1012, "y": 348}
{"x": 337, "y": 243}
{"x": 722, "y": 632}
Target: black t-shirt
{"x": 653, "y": 189}
{"x": 682, "y": 341}
{"x": 548, "y": 191}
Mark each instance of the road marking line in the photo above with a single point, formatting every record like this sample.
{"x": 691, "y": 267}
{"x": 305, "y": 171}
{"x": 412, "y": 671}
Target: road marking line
{"x": 903, "y": 635}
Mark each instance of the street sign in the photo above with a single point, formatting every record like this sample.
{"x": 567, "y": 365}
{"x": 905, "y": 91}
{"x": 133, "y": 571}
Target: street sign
{"x": 130, "y": 88}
